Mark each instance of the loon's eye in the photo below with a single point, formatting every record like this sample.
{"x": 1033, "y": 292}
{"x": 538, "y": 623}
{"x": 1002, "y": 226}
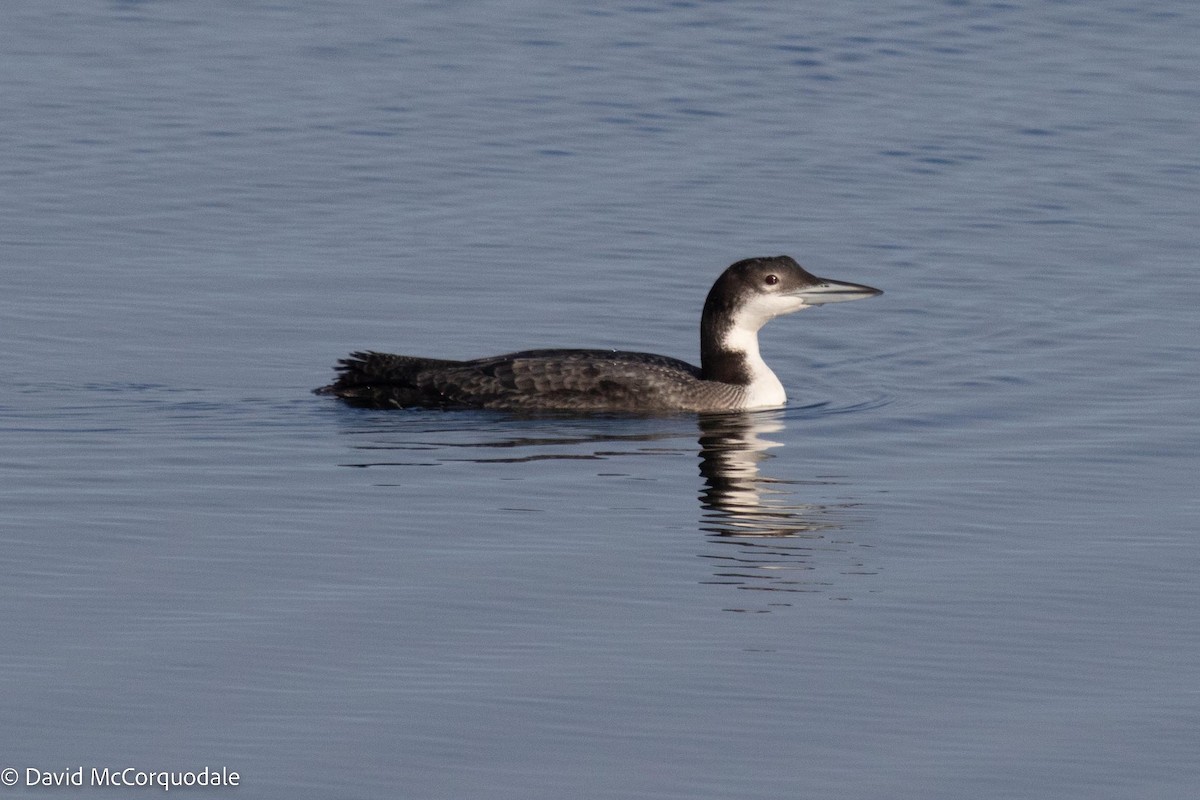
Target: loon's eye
{"x": 771, "y": 280}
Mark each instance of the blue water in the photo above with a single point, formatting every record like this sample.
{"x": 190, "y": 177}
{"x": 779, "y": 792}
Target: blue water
{"x": 960, "y": 563}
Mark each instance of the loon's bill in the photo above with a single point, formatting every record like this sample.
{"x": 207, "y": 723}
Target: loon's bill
{"x": 732, "y": 375}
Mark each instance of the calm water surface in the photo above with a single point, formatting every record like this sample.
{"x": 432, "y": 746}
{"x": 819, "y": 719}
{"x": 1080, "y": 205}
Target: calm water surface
{"x": 960, "y": 563}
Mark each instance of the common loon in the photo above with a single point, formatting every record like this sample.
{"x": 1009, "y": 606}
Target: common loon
{"x": 732, "y": 375}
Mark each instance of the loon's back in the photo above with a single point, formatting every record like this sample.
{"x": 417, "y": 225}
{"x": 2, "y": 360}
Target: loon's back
{"x": 531, "y": 380}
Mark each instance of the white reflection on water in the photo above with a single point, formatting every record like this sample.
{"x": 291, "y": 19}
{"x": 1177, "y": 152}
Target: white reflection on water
{"x": 766, "y": 538}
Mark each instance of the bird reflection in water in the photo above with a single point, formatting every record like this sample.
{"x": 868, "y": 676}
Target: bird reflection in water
{"x": 758, "y": 535}
{"x": 764, "y": 539}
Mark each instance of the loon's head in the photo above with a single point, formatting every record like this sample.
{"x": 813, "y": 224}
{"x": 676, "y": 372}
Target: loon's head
{"x": 749, "y": 294}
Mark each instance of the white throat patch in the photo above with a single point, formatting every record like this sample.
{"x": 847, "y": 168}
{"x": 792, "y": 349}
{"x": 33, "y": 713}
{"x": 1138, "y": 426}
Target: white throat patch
{"x": 765, "y": 389}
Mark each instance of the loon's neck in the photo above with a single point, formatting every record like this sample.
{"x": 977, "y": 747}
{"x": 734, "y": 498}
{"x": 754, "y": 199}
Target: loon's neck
{"x": 729, "y": 354}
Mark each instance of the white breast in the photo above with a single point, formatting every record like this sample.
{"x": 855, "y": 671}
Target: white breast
{"x": 765, "y": 389}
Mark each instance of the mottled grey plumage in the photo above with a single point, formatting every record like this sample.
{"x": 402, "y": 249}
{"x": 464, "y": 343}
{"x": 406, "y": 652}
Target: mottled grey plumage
{"x": 732, "y": 377}
{"x": 577, "y": 380}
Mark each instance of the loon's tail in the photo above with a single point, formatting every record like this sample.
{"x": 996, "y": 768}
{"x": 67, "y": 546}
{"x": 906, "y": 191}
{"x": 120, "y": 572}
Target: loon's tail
{"x": 382, "y": 380}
